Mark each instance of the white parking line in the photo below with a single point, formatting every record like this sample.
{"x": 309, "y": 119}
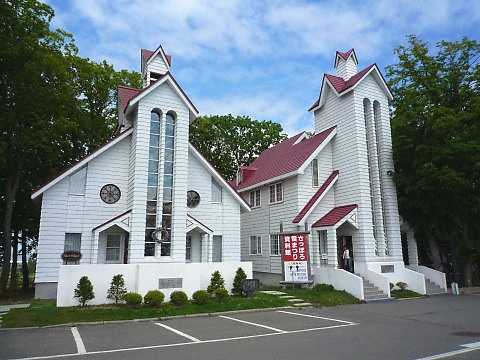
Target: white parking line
{"x": 78, "y": 341}
{"x": 254, "y": 324}
{"x": 317, "y": 317}
{"x": 194, "y": 339}
{"x": 470, "y": 347}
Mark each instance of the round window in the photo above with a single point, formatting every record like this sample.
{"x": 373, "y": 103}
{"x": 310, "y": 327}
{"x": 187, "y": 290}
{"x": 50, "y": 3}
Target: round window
{"x": 110, "y": 194}
{"x": 193, "y": 199}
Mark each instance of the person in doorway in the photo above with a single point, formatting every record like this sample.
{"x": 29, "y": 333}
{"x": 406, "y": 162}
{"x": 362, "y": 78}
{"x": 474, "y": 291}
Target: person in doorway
{"x": 347, "y": 260}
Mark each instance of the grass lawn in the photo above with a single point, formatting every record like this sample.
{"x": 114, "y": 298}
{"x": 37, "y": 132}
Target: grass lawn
{"x": 43, "y": 313}
{"x": 404, "y": 294}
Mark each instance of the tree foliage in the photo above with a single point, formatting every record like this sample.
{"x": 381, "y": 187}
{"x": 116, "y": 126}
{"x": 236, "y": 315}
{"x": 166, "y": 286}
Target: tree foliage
{"x": 117, "y": 289}
{"x": 230, "y": 142}
{"x": 84, "y": 290}
{"x": 436, "y": 145}
{"x": 56, "y": 107}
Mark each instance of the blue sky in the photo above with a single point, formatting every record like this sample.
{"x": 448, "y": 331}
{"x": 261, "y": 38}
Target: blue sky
{"x": 260, "y": 58}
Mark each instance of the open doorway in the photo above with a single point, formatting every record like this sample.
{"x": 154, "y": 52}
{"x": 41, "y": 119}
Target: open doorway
{"x": 347, "y": 241}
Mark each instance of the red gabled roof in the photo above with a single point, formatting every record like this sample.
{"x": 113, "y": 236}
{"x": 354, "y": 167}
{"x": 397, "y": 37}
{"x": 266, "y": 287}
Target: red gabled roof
{"x": 111, "y": 220}
{"x": 127, "y": 94}
{"x": 341, "y": 85}
{"x": 284, "y": 158}
{"x": 147, "y": 54}
{"x": 335, "y": 215}
{"x": 345, "y": 55}
{"x": 315, "y": 197}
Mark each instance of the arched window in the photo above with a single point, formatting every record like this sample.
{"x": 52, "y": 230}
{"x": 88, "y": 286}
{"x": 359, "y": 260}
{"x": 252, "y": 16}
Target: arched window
{"x": 152, "y": 182}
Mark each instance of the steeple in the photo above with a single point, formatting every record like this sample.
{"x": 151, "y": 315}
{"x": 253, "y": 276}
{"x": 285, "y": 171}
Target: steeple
{"x": 155, "y": 64}
{"x": 346, "y": 64}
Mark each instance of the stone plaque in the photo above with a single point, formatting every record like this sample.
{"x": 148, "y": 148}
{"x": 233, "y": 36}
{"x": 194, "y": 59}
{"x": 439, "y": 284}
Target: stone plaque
{"x": 387, "y": 268}
{"x": 170, "y": 283}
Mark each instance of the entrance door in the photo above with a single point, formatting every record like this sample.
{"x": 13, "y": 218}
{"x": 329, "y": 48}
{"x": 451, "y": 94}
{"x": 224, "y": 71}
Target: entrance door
{"x": 341, "y": 242}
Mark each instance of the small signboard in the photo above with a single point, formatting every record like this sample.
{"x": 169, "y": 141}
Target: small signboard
{"x": 295, "y": 257}
{"x": 170, "y": 283}
{"x": 249, "y": 286}
{"x": 71, "y": 257}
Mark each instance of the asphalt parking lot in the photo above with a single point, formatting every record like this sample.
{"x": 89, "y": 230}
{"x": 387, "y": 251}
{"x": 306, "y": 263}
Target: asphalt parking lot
{"x": 427, "y": 328}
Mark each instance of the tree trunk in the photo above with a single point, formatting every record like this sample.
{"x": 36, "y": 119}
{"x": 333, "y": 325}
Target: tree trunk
{"x": 13, "y": 271}
{"x": 467, "y": 261}
{"x": 11, "y": 188}
{"x": 25, "y": 271}
{"x": 435, "y": 252}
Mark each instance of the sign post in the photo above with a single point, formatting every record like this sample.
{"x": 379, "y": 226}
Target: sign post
{"x": 295, "y": 258}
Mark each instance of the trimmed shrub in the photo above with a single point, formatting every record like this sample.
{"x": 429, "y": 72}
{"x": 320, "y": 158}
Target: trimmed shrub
{"x": 133, "y": 299}
{"x": 154, "y": 298}
{"x": 216, "y": 282}
{"x": 237, "y": 282}
{"x": 117, "y": 289}
{"x": 84, "y": 290}
{"x": 221, "y": 294}
{"x": 323, "y": 287}
{"x": 402, "y": 285}
{"x": 178, "y": 298}
{"x": 200, "y": 297}
{"x": 392, "y": 285}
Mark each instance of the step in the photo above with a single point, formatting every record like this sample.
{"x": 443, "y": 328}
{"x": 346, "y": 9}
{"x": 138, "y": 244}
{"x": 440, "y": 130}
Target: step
{"x": 302, "y": 304}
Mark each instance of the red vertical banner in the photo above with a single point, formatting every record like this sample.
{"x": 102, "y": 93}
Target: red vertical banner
{"x": 295, "y": 257}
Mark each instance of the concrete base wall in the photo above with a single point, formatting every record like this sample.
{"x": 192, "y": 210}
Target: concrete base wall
{"x": 268, "y": 278}
{"x": 46, "y": 290}
{"x": 141, "y": 278}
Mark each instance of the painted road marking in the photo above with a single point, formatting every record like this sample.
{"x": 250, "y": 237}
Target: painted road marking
{"x": 78, "y": 341}
{"x": 470, "y": 347}
{"x": 254, "y": 324}
{"x": 194, "y": 339}
{"x": 317, "y": 317}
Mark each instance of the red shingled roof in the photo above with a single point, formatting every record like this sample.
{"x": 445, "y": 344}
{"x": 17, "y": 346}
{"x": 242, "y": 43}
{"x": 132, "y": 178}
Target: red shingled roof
{"x": 335, "y": 215}
{"x": 283, "y": 158}
{"x": 315, "y": 197}
{"x": 345, "y": 55}
{"x": 147, "y": 54}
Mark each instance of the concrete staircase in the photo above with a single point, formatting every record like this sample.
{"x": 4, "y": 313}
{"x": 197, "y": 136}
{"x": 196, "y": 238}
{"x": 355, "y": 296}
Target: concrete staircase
{"x": 432, "y": 288}
{"x": 372, "y": 293}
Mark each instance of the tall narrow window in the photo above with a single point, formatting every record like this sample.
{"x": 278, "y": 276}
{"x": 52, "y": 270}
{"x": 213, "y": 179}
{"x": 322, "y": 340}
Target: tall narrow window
{"x": 255, "y": 198}
{"x": 152, "y": 183}
{"x": 77, "y": 182}
{"x": 315, "y": 172}
{"x": 275, "y": 245}
{"x": 217, "y": 248}
{"x": 216, "y": 192}
{"x": 322, "y": 246}
{"x": 255, "y": 245}
{"x": 276, "y": 193}
{"x": 113, "y": 247}
{"x": 188, "y": 248}
{"x": 168, "y": 180}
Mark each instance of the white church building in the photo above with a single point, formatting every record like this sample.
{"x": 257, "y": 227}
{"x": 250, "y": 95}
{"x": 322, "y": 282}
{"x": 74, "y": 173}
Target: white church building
{"x": 337, "y": 189}
{"x": 150, "y": 206}
{"x": 147, "y": 204}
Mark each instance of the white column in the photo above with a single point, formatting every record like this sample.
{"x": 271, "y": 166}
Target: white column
{"x": 412, "y": 248}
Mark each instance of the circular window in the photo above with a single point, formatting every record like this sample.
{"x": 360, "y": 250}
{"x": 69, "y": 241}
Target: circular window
{"x": 110, "y": 194}
{"x": 193, "y": 199}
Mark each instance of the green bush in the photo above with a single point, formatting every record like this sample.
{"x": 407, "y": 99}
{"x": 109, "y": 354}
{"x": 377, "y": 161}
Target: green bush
{"x": 237, "y": 281}
{"x": 133, "y": 299}
{"x": 201, "y": 297}
{"x": 178, "y": 298}
{"x": 84, "y": 290}
{"x": 216, "y": 282}
{"x": 154, "y": 298}
{"x": 402, "y": 285}
{"x": 117, "y": 288}
{"x": 221, "y": 294}
{"x": 392, "y": 285}
{"x": 323, "y": 287}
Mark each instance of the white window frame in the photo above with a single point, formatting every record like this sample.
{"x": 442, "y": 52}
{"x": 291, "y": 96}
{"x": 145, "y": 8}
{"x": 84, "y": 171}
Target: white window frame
{"x": 256, "y": 241}
{"x": 275, "y": 245}
{"x": 217, "y": 251}
{"x": 119, "y": 247}
{"x": 255, "y": 198}
{"x": 73, "y": 242}
{"x": 277, "y": 194}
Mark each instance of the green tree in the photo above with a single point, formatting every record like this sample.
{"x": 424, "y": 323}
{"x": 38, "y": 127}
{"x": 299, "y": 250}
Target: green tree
{"x": 117, "y": 288}
{"x": 230, "y": 142}
{"x": 216, "y": 282}
{"x": 237, "y": 281}
{"x": 436, "y": 146}
{"x": 84, "y": 290}
{"x": 56, "y": 108}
